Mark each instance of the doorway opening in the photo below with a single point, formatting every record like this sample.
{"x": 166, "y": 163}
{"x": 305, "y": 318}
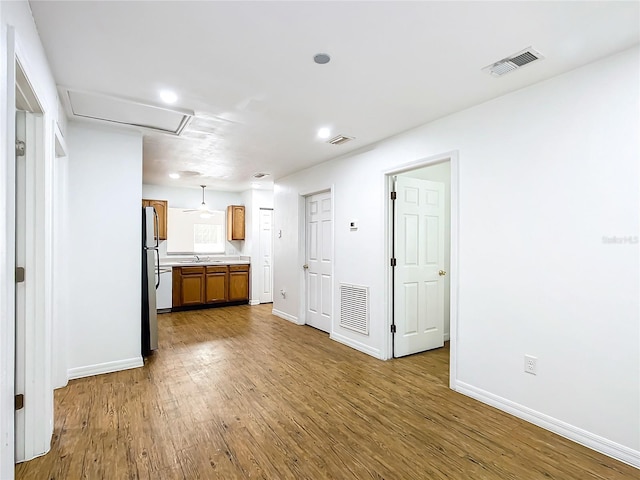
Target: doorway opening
{"x": 422, "y": 243}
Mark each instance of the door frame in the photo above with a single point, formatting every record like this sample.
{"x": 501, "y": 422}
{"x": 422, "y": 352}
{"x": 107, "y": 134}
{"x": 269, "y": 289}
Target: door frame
{"x": 452, "y": 158}
{"x": 7, "y": 263}
{"x": 261, "y": 277}
{"x": 19, "y": 72}
{"x": 302, "y": 252}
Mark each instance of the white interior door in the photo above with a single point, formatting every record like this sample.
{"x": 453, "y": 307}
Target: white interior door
{"x": 319, "y": 258}
{"x": 266, "y": 255}
{"x": 419, "y": 253}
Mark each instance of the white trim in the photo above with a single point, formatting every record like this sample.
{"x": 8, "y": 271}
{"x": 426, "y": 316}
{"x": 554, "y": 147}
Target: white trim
{"x": 454, "y": 169}
{"x": 7, "y": 259}
{"x": 374, "y": 352}
{"x": 446, "y": 336}
{"x": 107, "y": 367}
{"x": 254, "y": 302}
{"x": 286, "y": 316}
{"x": 576, "y": 434}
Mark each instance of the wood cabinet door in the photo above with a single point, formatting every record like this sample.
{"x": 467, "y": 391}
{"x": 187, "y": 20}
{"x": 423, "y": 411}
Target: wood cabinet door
{"x": 192, "y": 289}
{"x": 161, "y": 209}
{"x": 216, "y": 285}
{"x": 238, "y": 283}
{"x": 235, "y": 222}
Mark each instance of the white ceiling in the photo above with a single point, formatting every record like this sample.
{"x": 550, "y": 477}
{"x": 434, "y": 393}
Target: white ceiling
{"x": 246, "y": 69}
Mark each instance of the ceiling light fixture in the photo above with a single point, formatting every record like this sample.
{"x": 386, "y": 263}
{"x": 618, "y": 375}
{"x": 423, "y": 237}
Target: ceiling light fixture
{"x": 168, "y": 96}
{"x": 174, "y": 175}
{"x": 260, "y": 175}
{"x": 321, "y": 58}
{"x": 324, "y": 133}
{"x": 202, "y": 209}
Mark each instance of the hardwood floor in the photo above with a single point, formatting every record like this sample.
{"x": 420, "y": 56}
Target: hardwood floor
{"x": 236, "y": 393}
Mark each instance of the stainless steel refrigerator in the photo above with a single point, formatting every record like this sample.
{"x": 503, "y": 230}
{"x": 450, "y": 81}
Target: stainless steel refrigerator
{"x": 150, "y": 280}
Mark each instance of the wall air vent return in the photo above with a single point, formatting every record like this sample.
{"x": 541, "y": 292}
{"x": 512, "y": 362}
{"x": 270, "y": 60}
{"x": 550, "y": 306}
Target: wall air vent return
{"x": 339, "y": 140}
{"x": 354, "y": 308}
{"x": 513, "y": 62}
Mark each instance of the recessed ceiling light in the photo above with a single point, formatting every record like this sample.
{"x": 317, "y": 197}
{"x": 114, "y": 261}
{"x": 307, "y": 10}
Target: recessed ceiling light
{"x": 168, "y": 96}
{"x": 321, "y": 58}
{"x": 324, "y": 133}
{"x": 174, "y": 175}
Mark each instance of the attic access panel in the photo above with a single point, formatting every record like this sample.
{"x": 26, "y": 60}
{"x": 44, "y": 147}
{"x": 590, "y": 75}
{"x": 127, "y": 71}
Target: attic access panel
{"x": 127, "y": 112}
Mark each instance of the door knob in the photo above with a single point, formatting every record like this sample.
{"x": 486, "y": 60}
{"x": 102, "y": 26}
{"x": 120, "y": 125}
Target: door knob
{"x": 442, "y": 273}
{"x": 305, "y": 266}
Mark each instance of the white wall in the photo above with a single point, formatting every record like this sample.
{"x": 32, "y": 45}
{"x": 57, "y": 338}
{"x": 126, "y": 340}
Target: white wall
{"x": 544, "y": 174}
{"x": 183, "y": 197}
{"x": 441, "y": 172}
{"x": 105, "y": 188}
{"x": 16, "y": 19}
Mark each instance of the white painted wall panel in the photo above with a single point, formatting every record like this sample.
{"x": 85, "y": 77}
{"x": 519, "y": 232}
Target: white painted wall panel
{"x": 544, "y": 174}
{"x": 105, "y": 190}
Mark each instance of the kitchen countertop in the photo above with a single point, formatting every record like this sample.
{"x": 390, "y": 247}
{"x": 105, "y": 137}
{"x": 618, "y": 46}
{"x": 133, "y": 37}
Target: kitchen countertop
{"x": 190, "y": 261}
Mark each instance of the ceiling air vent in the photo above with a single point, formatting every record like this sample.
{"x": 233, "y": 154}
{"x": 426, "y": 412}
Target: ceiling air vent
{"x": 339, "y": 140}
{"x": 513, "y": 62}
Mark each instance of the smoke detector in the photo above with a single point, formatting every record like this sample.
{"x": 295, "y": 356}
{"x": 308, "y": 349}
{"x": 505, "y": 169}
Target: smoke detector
{"x": 513, "y": 62}
{"x": 339, "y": 140}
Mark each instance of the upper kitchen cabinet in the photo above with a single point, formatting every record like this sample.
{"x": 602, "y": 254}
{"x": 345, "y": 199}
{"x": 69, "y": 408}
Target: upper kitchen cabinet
{"x": 161, "y": 209}
{"x": 235, "y": 222}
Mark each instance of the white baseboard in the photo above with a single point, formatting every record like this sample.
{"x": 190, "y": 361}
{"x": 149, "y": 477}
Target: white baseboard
{"x": 107, "y": 367}
{"x": 349, "y": 342}
{"x": 286, "y": 316}
{"x": 578, "y": 435}
{"x": 254, "y": 302}
{"x": 447, "y": 337}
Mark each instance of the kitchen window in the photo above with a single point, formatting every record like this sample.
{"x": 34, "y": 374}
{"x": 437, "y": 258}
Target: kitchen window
{"x": 193, "y": 232}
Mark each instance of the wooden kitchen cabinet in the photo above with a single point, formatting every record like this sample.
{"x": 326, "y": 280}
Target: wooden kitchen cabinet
{"x": 217, "y": 280}
{"x": 235, "y": 222}
{"x": 238, "y": 283}
{"x": 188, "y": 286}
{"x": 210, "y": 285}
{"x": 161, "y": 207}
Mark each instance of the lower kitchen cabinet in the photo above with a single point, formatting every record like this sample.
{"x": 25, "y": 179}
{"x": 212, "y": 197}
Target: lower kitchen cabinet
{"x": 190, "y": 288}
{"x": 238, "y": 283}
{"x": 210, "y": 285}
{"x": 217, "y": 279}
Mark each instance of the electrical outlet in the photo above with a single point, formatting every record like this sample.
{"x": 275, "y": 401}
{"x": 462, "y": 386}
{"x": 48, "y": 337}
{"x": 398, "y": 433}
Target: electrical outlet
{"x": 531, "y": 364}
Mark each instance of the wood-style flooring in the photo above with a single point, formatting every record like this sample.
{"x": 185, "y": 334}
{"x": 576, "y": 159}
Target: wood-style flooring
{"x": 236, "y": 393}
